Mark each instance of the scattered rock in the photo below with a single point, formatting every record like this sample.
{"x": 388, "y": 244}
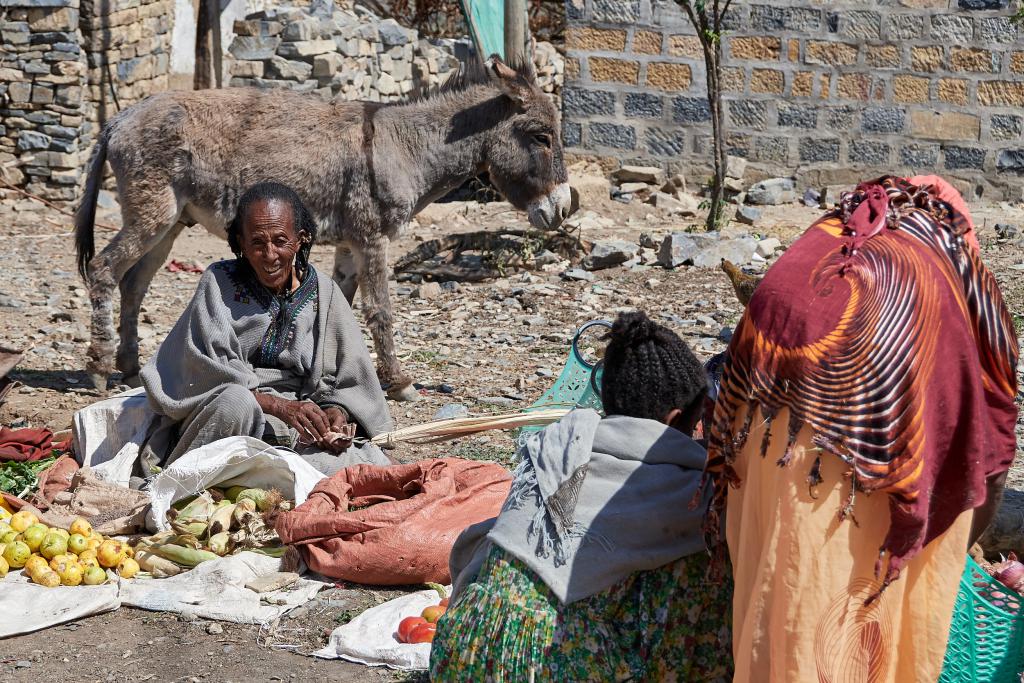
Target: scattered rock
{"x": 451, "y": 411}
{"x": 767, "y": 247}
{"x": 450, "y": 286}
{"x": 652, "y": 284}
{"x": 1007, "y": 231}
{"x": 578, "y": 274}
{"x": 829, "y": 196}
{"x": 214, "y": 629}
{"x": 592, "y": 189}
{"x": 704, "y": 250}
{"x": 748, "y": 215}
{"x": 812, "y": 197}
{"x": 272, "y": 582}
{"x": 609, "y": 253}
{"x": 546, "y": 258}
{"x": 638, "y": 174}
{"x": 734, "y": 185}
{"x": 634, "y": 188}
{"x": 735, "y": 167}
{"x": 686, "y": 205}
{"x": 725, "y": 334}
{"x": 10, "y": 302}
{"x": 428, "y": 291}
{"x": 772, "y": 192}
{"x": 675, "y": 186}
{"x": 647, "y": 242}
{"x": 298, "y": 613}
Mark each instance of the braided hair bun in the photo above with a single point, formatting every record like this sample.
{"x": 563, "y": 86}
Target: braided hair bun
{"x": 649, "y": 370}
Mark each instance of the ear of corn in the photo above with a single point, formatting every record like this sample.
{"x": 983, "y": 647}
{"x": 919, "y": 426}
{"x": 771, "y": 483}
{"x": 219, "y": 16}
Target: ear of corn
{"x": 199, "y": 510}
{"x": 186, "y": 557}
{"x": 258, "y": 496}
{"x": 196, "y": 529}
{"x": 219, "y": 543}
{"x": 156, "y": 565}
{"x": 220, "y": 520}
{"x": 232, "y": 493}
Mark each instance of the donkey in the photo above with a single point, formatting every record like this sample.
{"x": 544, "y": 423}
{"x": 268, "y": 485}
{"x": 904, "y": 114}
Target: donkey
{"x": 363, "y": 169}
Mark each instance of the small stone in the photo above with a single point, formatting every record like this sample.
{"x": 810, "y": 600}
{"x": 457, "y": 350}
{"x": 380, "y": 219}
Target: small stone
{"x": 546, "y": 258}
{"x": 544, "y": 372}
{"x": 638, "y": 174}
{"x": 10, "y": 302}
{"x": 748, "y": 215}
{"x": 298, "y": 613}
{"x": 574, "y": 274}
{"x": 451, "y": 411}
{"x": 609, "y": 253}
{"x": 214, "y": 629}
{"x": 1007, "y": 231}
{"x": 450, "y": 286}
{"x": 812, "y": 197}
{"x": 734, "y": 185}
{"x": 428, "y": 291}
{"x": 686, "y": 205}
{"x": 735, "y": 167}
{"x": 676, "y": 249}
{"x": 23, "y": 664}
{"x": 725, "y": 334}
{"x": 272, "y": 582}
{"x": 633, "y": 188}
{"x": 675, "y": 186}
{"x": 767, "y": 247}
{"x": 652, "y": 284}
{"x": 772, "y": 192}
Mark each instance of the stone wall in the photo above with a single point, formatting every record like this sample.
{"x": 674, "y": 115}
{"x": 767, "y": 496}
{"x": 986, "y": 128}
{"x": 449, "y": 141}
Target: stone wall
{"x": 67, "y": 68}
{"x": 42, "y": 105}
{"x": 351, "y": 55}
{"x": 828, "y": 94}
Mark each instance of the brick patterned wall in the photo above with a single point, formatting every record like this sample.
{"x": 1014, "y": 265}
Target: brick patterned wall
{"x": 826, "y": 93}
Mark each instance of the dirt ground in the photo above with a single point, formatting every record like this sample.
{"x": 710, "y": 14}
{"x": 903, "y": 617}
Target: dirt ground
{"x": 490, "y": 346}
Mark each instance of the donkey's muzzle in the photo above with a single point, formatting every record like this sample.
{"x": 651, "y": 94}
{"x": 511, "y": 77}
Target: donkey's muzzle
{"x": 549, "y": 211}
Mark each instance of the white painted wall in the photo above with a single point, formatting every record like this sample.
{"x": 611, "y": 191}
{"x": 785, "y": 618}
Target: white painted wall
{"x": 183, "y": 38}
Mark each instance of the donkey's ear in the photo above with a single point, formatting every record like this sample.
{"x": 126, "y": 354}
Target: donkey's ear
{"x": 508, "y": 79}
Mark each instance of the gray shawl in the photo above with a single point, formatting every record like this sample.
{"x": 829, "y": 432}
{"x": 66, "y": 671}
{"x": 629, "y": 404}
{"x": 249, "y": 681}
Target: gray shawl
{"x": 593, "y": 501}
{"x": 221, "y": 330}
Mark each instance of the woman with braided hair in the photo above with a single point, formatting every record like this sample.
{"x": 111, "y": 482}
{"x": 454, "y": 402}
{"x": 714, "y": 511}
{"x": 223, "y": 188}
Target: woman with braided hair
{"x": 268, "y": 348}
{"x": 596, "y": 569}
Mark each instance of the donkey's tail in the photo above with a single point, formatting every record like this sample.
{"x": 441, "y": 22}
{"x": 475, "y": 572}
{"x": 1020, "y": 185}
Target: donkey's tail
{"x": 85, "y": 218}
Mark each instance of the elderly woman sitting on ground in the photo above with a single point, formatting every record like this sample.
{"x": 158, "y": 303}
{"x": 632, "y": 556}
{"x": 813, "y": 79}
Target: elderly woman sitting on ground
{"x": 269, "y": 348}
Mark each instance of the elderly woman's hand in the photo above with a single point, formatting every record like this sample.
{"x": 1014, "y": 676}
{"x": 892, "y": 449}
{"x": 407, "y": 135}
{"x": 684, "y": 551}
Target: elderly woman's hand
{"x": 307, "y": 419}
{"x": 339, "y": 424}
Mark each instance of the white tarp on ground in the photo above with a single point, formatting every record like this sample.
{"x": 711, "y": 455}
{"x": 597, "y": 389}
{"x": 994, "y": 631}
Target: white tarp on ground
{"x": 109, "y": 434}
{"x": 370, "y": 638}
{"x": 213, "y": 590}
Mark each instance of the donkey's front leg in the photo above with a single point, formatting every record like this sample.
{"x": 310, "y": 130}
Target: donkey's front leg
{"x": 372, "y": 259}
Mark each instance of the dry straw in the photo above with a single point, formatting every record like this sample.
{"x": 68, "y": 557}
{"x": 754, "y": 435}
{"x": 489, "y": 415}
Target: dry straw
{"x": 444, "y": 430}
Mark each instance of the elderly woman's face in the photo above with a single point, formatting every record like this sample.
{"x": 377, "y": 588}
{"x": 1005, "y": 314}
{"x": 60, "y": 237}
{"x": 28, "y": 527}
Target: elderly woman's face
{"x": 270, "y": 242}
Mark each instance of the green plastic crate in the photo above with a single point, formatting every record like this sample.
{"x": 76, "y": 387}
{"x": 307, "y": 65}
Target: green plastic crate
{"x": 986, "y": 639}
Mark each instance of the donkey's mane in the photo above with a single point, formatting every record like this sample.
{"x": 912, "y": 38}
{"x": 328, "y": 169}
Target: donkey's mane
{"x": 470, "y": 74}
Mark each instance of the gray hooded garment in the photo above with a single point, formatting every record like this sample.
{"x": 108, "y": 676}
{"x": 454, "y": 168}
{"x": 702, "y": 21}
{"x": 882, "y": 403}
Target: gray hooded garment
{"x": 208, "y": 357}
{"x": 594, "y": 501}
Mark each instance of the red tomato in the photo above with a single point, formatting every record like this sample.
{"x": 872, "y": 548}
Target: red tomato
{"x": 406, "y": 626}
{"x": 444, "y": 603}
{"x": 433, "y": 613}
{"x": 424, "y": 633}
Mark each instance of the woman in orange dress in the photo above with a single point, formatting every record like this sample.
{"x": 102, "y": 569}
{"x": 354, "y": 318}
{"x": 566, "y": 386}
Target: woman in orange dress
{"x": 864, "y": 428}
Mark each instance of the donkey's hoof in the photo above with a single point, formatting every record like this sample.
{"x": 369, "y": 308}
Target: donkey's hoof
{"x": 406, "y": 393}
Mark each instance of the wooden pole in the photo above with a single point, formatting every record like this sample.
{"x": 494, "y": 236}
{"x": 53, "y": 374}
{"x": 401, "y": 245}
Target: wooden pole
{"x": 202, "y": 78}
{"x": 218, "y": 53}
{"x": 515, "y": 31}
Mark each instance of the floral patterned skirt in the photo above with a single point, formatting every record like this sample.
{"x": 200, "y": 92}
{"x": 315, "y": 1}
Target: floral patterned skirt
{"x": 668, "y": 624}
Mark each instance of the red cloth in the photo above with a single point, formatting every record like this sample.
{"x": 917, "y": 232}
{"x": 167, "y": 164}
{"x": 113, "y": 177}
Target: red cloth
{"x": 25, "y": 444}
{"x": 393, "y": 525}
{"x": 901, "y": 355}
{"x": 949, "y": 194}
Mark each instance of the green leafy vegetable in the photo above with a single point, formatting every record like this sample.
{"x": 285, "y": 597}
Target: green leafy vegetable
{"x": 22, "y": 478}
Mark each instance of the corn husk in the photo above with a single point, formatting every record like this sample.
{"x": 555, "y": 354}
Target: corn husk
{"x": 445, "y": 430}
{"x": 185, "y": 557}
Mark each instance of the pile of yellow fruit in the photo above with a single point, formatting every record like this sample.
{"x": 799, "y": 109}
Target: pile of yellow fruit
{"x": 56, "y": 557}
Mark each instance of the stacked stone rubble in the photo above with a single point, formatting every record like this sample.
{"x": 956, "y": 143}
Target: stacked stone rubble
{"x": 351, "y": 56}
{"x": 835, "y": 90}
{"x": 42, "y": 108}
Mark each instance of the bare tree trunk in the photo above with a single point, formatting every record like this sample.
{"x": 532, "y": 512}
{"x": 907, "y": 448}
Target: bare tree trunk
{"x": 713, "y": 62}
{"x": 203, "y": 76}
